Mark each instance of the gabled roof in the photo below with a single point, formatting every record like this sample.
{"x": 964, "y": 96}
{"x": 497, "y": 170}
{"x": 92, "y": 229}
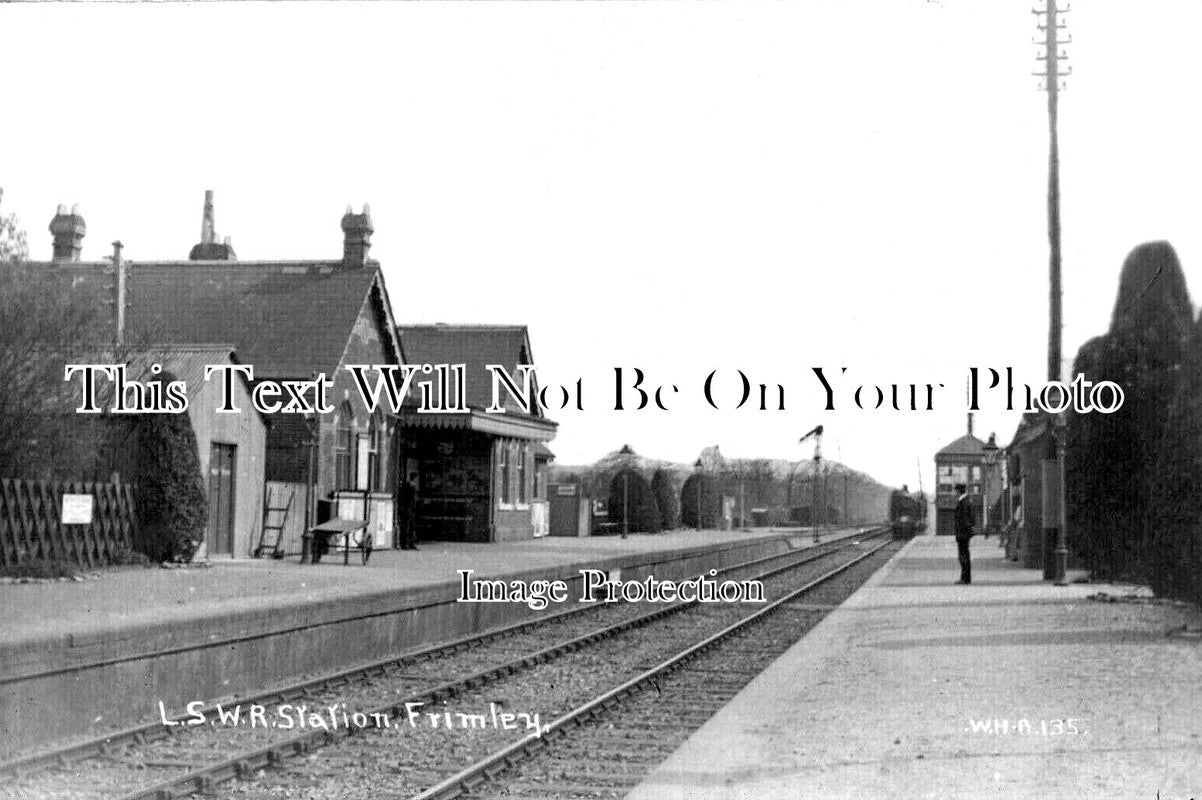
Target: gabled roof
{"x": 288, "y": 319}
{"x": 1030, "y": 428}
{"x": 475, "y": 346}
{"x": 187, "y": 362}
{"x": 183, "y": 362}
{"x": 966, "y": 445}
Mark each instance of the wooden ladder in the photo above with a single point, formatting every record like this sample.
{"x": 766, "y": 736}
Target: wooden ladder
{"x": 275, "y": 526}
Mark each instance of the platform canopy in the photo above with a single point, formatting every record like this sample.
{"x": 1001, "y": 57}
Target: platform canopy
{"x": 517, "y": 426}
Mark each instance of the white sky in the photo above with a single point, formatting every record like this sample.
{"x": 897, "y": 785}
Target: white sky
{"x": 674, "y": 186}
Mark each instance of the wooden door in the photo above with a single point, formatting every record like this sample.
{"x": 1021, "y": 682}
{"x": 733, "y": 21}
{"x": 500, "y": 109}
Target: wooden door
{"x": 221, "y": 498}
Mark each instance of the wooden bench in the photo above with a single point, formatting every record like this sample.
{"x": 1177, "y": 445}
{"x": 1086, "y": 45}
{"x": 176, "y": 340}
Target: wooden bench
{"x": 447, "y": 515}
{"x": 466, "y": 519}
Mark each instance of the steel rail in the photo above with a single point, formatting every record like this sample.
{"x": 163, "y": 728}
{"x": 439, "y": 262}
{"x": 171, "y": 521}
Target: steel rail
{"x": 100, "y": 745}
{"x": 146, "y": 655}
{"x": 467, "y": 779}
{"x": 245, "y": 764}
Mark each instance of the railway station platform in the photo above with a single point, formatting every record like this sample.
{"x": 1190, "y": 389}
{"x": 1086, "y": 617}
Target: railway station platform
{"x": 79, "y": 659}
{"x": 918, "y": 687}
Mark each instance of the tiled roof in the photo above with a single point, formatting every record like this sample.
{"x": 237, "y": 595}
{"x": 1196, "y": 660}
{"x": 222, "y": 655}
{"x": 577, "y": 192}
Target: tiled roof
{"x": 287, "y": 319}
{"x": 187, "y": 362}
{"x": 472, "y": 345}
{"x": 1030, "y": 428}
{"x": 183, "y": 362}
{"x": 966, "y": 445}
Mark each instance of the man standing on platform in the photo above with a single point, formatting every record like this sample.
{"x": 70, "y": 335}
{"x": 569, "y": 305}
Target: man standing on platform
{"x": 405, "y": 505}
{"x": 964, "y": 529}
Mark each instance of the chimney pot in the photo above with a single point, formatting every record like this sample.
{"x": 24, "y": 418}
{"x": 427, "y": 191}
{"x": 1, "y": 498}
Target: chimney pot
{"x": 356, "y": 237}
{"x": 209, "y": 248}
{"x": 68, "y": 231}
{"x": 208, "y": 226}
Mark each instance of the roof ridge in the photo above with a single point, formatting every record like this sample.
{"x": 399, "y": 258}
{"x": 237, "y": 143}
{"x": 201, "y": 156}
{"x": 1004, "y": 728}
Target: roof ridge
{"x": 183, "y": 262}
{"x": 455, "y": 325}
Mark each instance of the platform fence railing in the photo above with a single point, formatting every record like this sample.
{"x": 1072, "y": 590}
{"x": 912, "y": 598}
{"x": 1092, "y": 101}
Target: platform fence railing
{"x": 31, "y": 524}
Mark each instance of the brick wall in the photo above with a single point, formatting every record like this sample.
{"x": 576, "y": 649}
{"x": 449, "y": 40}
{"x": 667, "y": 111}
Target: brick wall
{"x": 365, "y": 346}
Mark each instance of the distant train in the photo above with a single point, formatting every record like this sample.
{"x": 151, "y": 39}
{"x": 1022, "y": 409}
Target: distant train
{"x": 907, "y": 513}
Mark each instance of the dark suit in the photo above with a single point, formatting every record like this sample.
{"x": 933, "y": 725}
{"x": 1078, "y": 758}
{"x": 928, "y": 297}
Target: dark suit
{"x": 405, "y": 509}
{"x": 964, "y": 524}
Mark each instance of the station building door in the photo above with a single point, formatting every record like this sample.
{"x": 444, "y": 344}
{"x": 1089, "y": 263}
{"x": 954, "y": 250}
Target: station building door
{"x": 222, "y": 459}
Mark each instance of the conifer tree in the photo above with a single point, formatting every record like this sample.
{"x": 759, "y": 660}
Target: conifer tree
{"x": 1111, "y": 458}
{"x": 666, "y": 499}
{"x": 1177, "y": 486}
{"x": 170, "y": 497}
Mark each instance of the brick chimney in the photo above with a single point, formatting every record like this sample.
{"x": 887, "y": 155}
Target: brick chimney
{"x": 209, "y": 248}
{"x": 68, "y": 230}
{"x": 356, "y": 237}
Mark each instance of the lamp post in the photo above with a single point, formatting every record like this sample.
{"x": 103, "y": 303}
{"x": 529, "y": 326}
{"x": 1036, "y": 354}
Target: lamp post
{"x": 991, "y": 458}
{"x": 625, "y": 503}
{"x": 742, "y": 513}
{"x": 1053, "y": 502}
{"x": 697, "y": 481}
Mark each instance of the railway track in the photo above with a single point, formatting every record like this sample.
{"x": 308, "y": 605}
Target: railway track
{"x": 403, "y": 762}
{"x": 606, "y": 746}
{"x": 171, "y": 760}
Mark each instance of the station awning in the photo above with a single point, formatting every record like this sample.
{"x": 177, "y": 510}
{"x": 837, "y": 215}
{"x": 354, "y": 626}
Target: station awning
{"x": 517, "y": 426}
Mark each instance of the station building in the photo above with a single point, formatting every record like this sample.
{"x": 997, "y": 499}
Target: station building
{"x": 974, "y": 463}
{"x": 231, "y": 448}
{"x": 481, "y": 476}
{"x": 287, "y": 320}
{"x": 1025, "y": 457}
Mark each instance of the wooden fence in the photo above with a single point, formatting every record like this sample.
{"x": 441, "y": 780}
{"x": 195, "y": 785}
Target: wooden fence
{"x": 30, "y": 527}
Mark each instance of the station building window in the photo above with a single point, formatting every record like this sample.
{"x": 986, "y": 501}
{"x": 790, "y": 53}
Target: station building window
{"x": 375, "y": 476}
{"x": 344, "y": 447}
{"x": 505, "y": 469}
{"x": 540, "y": 481}
{"x": 523, "y": 492}
{"x": 951, "y": 474}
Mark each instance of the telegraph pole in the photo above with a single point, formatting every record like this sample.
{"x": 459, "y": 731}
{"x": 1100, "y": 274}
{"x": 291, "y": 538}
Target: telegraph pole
{"x": 1052, "y": 26}
{"x": 1048, "y": 21}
